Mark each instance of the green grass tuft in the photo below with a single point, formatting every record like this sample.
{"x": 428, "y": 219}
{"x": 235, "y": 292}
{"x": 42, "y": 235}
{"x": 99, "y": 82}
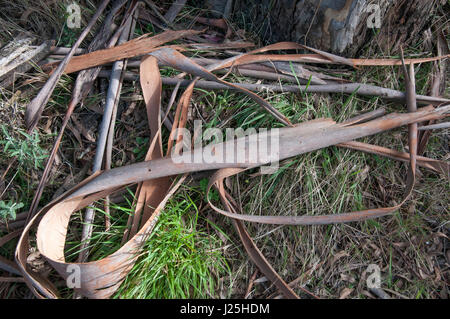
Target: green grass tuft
{"x": 179, "y": 260}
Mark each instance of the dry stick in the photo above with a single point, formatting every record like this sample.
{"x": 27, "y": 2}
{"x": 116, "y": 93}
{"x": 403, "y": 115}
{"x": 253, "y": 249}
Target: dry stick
{"x": 165, "y": 117}
{"x": 110, "y": 139}
{"x": 36, "y": 106}
{"x": 250, "y": 284}
{"x": 82, "y": 87}
{"x": 155, "y": 9}
{"x": 9, "y": 266}
{"x": 380, "y": 293}
{"x": 365, "y": 117}
{"x": 434, "y": 126}
{"x": 362, "y": 89}
{"x": 438, "y": 75}
{"x": 174, "y": 9}
{"x": 412, "y": 107}
{"x": 359, "y": 88}
{"x": 26, "y": 63}
{"x": 112, "y": 99}
{"x": 64, "y": 51}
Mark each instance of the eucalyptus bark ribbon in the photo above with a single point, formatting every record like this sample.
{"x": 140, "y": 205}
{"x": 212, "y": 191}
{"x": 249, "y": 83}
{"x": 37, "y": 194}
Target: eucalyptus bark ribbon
{"x": 100, "y": 279}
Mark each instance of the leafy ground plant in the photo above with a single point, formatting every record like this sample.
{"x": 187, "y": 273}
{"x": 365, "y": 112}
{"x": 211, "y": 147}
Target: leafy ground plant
{"x": 8, "y": 209}
{"x": 27, "y": 150}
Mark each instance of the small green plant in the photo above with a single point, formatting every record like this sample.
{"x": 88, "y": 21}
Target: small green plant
{"x": 27, "y": 151}
{"x": 68, "y": 37}
{"x": 213, "y": 195}
{"x": 141, "y": 149}
{"x": 179, "y": 260}
{"x": 8, "y": 209}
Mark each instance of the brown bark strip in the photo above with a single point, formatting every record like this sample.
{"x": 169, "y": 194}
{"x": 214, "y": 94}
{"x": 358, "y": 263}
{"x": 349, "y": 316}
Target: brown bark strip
{"x": 130, "y": 49}
{"x": 100, "y": 279}
{"x": 109, "y": 272}
{"x": 425, "y": 162}
{"x": 177, "y": 60}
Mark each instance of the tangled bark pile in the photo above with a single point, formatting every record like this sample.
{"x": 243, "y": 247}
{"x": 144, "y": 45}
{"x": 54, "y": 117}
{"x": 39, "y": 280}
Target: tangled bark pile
{"x": 159, "y": 176}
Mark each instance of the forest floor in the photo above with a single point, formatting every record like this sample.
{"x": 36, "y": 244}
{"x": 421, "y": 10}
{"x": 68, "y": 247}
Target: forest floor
{"x": 194, "y": 252}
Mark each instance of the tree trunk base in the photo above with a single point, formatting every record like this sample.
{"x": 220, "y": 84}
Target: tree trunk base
{"x": 340, "y": 26}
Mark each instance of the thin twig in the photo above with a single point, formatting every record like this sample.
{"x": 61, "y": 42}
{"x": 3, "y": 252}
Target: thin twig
{"x": 434, "y": 126}
{"x": 357, "y": 88}
{"x": 112, "y": 98}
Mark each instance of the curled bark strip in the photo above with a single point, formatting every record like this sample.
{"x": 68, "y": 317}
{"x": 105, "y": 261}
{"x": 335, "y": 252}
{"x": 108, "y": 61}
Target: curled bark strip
{"x": 323, "y": 219}
{"x": 153, "y": 191}
{"x": 177, "y": 60}
{"x": 152, "y": 195}
{"x": 101, "y": 278}
{"x": 255, "y": 254}
{"x": 218, "y": 178}
{"x": 425, "y": 162}
{"x": 319, "y": 57}
{"x": 6, "y": 264}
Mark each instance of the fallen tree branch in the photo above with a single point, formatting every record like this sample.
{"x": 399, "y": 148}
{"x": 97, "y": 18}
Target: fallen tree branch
{"x": 358, "y": 88}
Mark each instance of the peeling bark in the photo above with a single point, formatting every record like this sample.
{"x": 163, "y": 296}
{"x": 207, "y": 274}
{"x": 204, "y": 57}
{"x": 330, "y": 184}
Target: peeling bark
{"x": 339, "y": 26}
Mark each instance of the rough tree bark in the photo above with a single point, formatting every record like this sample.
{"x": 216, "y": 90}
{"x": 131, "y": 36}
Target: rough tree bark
{"x": 340, "y": 26}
